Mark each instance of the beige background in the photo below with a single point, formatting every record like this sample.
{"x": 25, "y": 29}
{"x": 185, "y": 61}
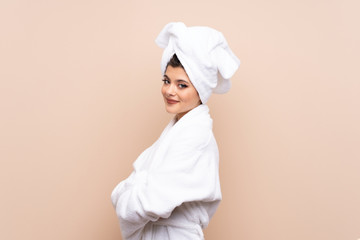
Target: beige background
{"x": 80, "y": 100}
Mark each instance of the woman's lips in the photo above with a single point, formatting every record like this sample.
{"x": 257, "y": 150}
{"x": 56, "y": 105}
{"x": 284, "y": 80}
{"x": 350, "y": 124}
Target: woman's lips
{"x": 171, "y": 101}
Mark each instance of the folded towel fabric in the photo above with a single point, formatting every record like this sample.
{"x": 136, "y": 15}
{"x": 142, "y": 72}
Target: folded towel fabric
{"x": 204, "y": 53}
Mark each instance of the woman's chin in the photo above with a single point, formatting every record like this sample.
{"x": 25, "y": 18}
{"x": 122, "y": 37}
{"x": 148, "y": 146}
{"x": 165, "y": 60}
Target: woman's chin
{"x": 170, "y": 110}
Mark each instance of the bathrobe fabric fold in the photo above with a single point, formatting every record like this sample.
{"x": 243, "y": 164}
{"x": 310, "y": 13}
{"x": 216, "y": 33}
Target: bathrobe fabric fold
{"x": 174, "y": 189}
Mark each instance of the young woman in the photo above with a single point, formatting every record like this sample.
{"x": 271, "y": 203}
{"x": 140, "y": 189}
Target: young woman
{"x": 174, "y": 189}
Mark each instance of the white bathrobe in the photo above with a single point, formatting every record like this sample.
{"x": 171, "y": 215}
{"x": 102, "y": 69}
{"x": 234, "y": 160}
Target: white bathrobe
{"x": 174, "y": 189}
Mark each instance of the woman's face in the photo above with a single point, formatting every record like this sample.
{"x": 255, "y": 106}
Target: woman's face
{"x": 179, "y": 94}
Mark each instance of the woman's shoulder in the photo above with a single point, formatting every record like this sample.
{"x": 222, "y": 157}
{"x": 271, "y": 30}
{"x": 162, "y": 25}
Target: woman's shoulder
{"x": 195, "y": 135}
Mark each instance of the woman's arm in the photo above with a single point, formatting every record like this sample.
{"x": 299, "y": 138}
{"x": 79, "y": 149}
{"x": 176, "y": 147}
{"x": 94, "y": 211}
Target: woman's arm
{"x": 188, "y": 172}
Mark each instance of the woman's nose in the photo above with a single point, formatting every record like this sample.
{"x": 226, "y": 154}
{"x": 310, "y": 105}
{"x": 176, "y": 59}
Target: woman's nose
{"x": 171, "y": 90}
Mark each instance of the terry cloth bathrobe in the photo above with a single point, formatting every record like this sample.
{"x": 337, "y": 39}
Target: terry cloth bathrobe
{"x": 174, "y": 189}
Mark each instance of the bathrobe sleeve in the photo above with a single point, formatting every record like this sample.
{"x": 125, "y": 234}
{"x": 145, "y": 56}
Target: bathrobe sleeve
{"x": 188, "y": 171}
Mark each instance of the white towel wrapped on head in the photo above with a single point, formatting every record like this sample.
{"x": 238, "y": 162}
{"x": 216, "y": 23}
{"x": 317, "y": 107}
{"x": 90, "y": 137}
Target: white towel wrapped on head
{"x": 204, "y": 53}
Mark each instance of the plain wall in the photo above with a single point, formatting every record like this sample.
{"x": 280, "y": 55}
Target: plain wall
{"x": 80, "y": 100}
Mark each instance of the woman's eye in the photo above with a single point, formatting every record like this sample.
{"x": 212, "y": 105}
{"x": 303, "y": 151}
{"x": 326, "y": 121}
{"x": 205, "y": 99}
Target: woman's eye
{"x": 182, "y": 86}
{"x": 166, "y": 81}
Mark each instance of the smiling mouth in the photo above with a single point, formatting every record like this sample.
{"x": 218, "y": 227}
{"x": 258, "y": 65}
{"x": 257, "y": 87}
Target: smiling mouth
{"x": 170, "y": 101}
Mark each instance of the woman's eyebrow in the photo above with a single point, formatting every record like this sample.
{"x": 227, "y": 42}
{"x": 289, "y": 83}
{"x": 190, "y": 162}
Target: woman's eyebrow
{"x": 180, "y": 80}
